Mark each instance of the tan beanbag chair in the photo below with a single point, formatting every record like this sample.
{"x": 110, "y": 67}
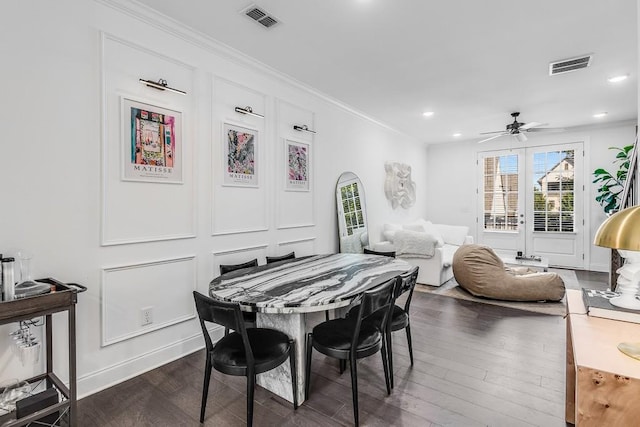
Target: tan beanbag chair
{"x": 480, "y": 271}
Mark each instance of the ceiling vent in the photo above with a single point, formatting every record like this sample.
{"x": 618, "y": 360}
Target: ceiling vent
{"x": 567, "y": 65}
{"x": 260, "y": 16}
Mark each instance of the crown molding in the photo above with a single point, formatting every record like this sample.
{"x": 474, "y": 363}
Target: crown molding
{"x": 175, "y": 28}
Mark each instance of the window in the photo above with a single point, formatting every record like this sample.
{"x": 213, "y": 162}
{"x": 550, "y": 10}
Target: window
{"x": 501, "y": 192}
{"x": 553, "y": 191}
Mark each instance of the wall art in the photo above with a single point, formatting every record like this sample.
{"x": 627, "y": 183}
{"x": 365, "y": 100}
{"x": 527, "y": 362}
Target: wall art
{"x": 399, "y": 187}
{"x": 298, "y": 165}
{"x": 152, "y": 142}
{"x": 240, "y": 156}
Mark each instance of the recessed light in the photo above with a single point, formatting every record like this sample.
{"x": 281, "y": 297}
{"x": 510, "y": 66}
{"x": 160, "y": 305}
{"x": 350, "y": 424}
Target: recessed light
{"x": 457, "y": 135}
{"x": 617, "y": 79}
{"x": 600, "y": 115}
{"x": 428, "y": 113}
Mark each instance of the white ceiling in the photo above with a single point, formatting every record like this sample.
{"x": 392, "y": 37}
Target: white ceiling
{"x": 471, "y": 62}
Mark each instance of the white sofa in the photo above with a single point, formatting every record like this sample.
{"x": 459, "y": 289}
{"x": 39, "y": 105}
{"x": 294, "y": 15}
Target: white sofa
{"x": 426, "y": 245}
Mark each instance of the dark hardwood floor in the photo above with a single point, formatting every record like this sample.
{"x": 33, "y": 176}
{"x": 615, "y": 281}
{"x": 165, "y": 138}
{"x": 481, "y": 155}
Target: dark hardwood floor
{"x": 475, "y": 365}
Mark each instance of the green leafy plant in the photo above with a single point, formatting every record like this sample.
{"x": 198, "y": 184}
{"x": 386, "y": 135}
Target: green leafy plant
{"x": 612, "y": 184}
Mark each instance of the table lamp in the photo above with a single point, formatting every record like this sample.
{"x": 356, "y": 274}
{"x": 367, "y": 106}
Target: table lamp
{"x": 622, "y": 231}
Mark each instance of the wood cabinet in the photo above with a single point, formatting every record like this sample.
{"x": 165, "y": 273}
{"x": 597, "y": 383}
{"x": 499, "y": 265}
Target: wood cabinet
{"x": 603, "y": 384}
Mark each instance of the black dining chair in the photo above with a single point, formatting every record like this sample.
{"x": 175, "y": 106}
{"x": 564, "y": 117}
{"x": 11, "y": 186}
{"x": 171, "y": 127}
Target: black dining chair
{"x": 399, "y": 317}
{"x": 245, "y": 352}
{"x": 226, "y": 268}
{"x": 357, "y": 336}
{"x": 391, "y": 254}
{"x": 249, "y": 317}
{"x": 290, "y": 255}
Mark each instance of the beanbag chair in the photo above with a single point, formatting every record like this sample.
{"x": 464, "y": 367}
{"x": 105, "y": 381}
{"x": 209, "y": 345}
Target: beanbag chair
{"x": 481, "y": 272}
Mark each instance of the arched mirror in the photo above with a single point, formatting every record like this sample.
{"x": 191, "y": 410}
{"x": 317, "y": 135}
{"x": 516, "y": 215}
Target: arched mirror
{"x": 352, "y": 215}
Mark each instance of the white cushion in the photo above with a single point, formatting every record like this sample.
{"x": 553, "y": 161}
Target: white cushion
{"x": 453, "y": 234}
{"x": 426, "y": 227}
{"x": 414, "y": 242}
{"x": 389, "y": 231}
{"x": 414, "y": 227}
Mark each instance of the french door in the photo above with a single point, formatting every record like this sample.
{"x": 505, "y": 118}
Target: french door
{"x": 531, "y": 200}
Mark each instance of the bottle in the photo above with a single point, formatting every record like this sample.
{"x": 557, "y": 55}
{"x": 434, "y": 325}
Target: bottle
{"x": 8, "y": 278}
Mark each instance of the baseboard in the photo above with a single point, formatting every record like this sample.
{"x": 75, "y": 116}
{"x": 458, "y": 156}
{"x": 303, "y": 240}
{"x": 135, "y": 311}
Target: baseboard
{"x": 603, "y": 268}
{"x": 109, "y": 376}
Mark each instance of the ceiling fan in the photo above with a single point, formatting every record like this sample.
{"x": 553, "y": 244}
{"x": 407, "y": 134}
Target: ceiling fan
{"x": 518, "y": 129}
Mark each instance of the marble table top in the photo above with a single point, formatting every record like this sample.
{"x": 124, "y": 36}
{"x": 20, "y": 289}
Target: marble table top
{"x": 314, "y": 283}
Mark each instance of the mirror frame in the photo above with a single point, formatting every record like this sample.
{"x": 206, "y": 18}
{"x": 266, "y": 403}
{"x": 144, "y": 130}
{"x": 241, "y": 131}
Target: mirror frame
{"x": 349, "y": 188}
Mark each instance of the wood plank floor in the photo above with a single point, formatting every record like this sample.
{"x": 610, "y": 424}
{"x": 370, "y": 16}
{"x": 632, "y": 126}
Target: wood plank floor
{"x": 475, "y": 365}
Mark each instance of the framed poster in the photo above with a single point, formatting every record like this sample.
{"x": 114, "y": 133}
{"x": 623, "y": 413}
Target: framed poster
{"x": 298, "y": 165}
{"x": 152, "y": 142}
{"x": 240, "y": 156}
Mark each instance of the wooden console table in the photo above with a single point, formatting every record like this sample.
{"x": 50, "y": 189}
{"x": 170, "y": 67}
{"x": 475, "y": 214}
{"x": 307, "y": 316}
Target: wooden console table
{"x": 603, "y": 384}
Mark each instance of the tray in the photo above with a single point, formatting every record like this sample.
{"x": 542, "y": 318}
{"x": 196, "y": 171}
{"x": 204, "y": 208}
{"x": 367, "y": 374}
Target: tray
{"x": 62, "y": 296}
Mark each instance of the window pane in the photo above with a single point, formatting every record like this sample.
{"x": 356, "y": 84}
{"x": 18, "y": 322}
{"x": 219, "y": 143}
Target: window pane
{"x": 500, "y": 192}
{"x": 553, "y": 191}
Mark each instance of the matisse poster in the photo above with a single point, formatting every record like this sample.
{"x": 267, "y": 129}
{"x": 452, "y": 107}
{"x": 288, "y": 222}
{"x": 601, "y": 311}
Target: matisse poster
{"x": 240, "y": 156}
{"x": 152, "y": 143}
{"x": 297, "y": 166}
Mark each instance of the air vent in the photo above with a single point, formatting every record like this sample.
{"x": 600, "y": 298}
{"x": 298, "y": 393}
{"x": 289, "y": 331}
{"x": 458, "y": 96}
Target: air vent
{"x": 260, "y": 16}
{"x": 567, "y": 65}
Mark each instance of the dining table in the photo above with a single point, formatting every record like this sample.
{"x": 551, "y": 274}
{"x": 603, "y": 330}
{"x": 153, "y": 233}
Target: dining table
{"x": 292, "y": 296}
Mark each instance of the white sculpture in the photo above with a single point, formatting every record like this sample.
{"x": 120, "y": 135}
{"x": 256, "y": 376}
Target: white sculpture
{"x": 398, "y": 187}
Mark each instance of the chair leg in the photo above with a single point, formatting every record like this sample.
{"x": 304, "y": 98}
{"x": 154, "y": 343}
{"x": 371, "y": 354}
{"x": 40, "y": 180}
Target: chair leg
{"x": 294, "y": 372}
{"x": 205, "y": 387}
{"x": 408, "y": 329}
{"x": 326, "y": 315}
{"x": 251, "y": 385}
{"x": 390, "y": 353}
{"x": 354, "y": 389}
{"x": 343, "y": 365}
{"x": 384, "y": 352}
{"x": 307, "y": 376}
{"x": 226, "y": 331}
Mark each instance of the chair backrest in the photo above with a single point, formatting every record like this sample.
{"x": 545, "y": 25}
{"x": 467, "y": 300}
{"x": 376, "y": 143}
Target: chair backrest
{"x": 223, "y": 313}
{"x": 391, "y": 254}
{"x": 225, "y": 268}
{"x": 376, "y": 300}
{"x": 290, "y": 255}
{"x": 407, "y": 284}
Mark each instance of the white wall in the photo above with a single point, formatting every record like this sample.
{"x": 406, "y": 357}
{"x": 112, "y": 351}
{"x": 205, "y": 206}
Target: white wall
{"x": 61, "y": 79}
{"x": 452, "y": 166}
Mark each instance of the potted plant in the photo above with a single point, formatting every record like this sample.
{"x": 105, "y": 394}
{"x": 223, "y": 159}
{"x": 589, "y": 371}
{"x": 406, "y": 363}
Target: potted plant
{"x": 612, "y": 184}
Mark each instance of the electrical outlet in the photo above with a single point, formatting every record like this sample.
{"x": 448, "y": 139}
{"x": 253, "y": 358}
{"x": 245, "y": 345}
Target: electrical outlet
{"x": 146, "y": 316}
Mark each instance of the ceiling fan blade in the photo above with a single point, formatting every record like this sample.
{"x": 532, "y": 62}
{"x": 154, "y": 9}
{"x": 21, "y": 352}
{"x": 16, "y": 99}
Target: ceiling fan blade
{"x": 520, "y": 137}
{"x": 546, "y": 130}
{"x": 492, "y": 137}
{"x": 531, "y": 125}
{"x": 488, "y": 133}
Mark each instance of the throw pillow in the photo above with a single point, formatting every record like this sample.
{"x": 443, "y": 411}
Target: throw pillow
{"x": 430, "y": 228}
{"x": 389, "y": 231}
{"x": 453, "y": 234}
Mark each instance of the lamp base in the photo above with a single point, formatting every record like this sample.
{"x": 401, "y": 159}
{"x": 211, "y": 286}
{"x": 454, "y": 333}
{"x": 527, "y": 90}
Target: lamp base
{"x": 631, "y": 349}
{"x": 628, "y": 281}
{"x": 628, "y": 301}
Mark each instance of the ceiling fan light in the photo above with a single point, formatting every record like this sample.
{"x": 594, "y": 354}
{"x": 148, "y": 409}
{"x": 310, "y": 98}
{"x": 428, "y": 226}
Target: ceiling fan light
{"x": 618, "y": 79}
